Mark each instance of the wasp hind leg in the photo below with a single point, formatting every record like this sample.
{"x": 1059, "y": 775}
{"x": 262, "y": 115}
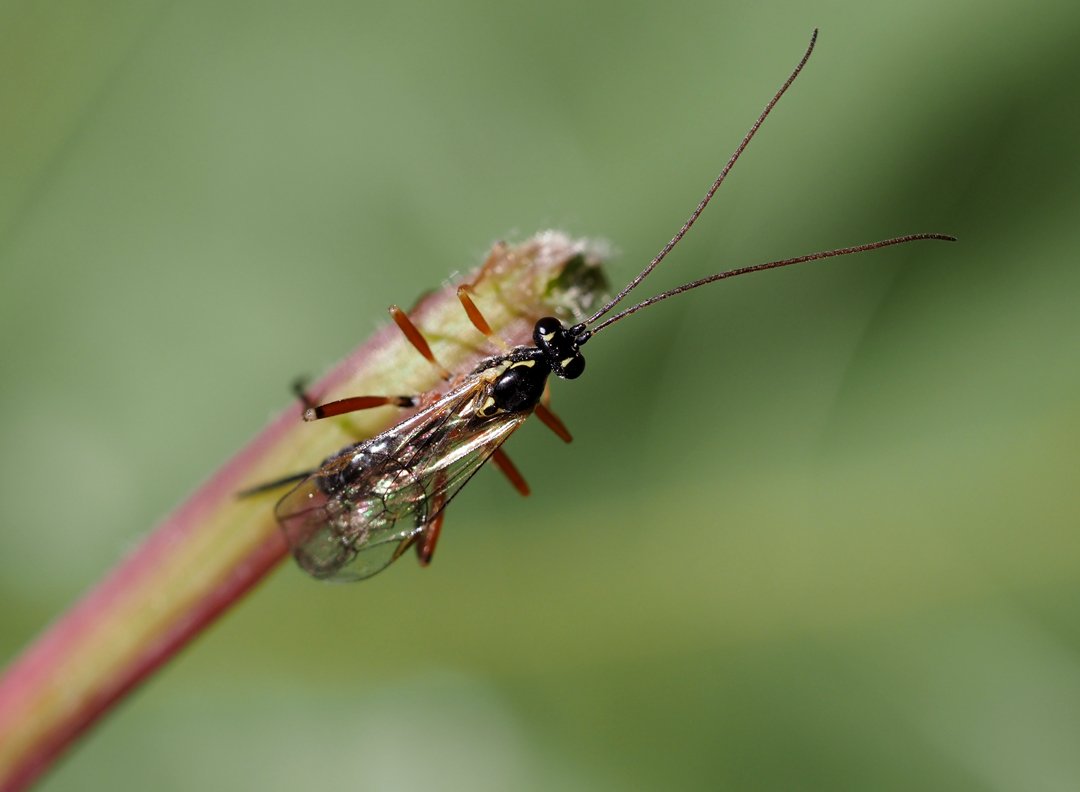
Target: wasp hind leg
{"x": 424, "y": 541}
{"x": 428, "y": 538}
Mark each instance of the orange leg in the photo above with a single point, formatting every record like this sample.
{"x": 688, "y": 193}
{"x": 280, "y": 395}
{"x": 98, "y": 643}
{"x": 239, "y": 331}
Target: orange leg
{"x": 354, "y": 403}
{"x": 552, "y": 422}
{"x": 416, "y": 338}
{"x": 425, "y": 547}
{"x": 508, "y": 469}
{"x": 314, "y": 411}
{"x": 477, "y": 318}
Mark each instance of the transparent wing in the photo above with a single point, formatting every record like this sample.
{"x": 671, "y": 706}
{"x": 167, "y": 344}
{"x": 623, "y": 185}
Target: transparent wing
{"x": 367, "y": 503}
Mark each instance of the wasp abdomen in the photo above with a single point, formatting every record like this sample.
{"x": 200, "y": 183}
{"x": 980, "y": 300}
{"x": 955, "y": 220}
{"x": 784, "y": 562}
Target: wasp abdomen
{"x": 364, "y": 498}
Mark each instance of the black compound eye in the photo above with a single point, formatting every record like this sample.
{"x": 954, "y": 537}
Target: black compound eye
{"x": 546, "y": 330}
{"x": 571, "y": 368}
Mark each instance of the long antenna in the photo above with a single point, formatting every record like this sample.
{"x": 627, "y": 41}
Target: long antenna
{"x": 712, "y": 190}
{"x": 769, "y": 265}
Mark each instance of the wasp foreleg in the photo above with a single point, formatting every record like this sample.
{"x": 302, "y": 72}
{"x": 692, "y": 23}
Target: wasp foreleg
{"x": 477, "y": 318}
{"x": 416, "y": 338}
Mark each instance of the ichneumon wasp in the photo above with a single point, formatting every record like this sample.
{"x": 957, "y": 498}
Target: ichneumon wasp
{"x": 370, "y": 502}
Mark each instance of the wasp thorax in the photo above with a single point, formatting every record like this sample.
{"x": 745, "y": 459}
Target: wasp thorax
{"x": 560, "y": 348}
{"x": 518, "y": 388}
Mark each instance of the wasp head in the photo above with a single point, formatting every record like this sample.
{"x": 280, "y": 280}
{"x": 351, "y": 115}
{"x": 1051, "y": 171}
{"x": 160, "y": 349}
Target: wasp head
{"x": 561, "y": 346}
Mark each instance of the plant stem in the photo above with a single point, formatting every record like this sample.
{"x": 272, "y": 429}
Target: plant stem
{"x": 216, "y": 546}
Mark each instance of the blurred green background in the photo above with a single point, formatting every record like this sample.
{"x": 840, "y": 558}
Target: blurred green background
{"x": 818, "y": 529}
